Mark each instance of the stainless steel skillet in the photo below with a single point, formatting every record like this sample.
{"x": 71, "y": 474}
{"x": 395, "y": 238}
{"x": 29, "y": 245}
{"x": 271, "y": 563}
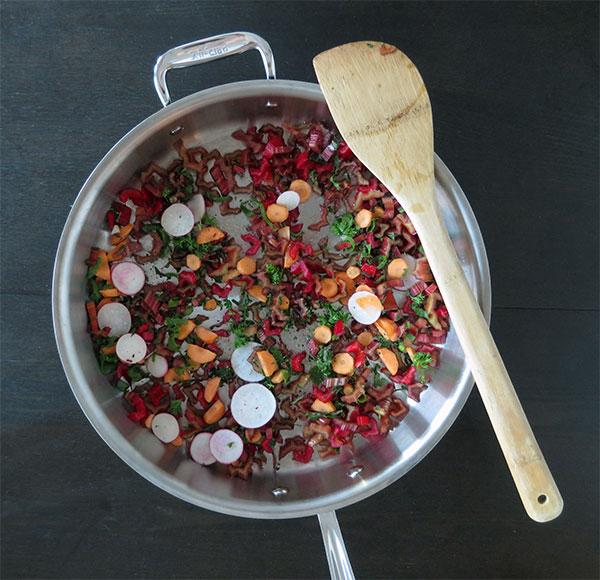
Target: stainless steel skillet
{"x": 208, "y": 118}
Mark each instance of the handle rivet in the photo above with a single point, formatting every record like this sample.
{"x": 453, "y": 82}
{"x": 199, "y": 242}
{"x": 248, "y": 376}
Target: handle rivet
{"x": 355, "y": 471}
{"x": 176, "y": 130}
{"x": 277, "y": 491}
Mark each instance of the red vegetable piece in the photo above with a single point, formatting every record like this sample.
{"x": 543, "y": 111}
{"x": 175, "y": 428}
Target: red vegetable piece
{"x": 359, "y": 360}
{"x": 140, "y": 408}
{"x": 187, "y": 277}
{"x": 323, "y": 394}
{"x": 354, "y": 347}
{"x": 338, "y": 328}
{"x": 368, "y": 269}
{"x": 362, "y": 420}
{"x": 254, "y": 244}
{"x": 297, "y": 365}
{"x": 303, "y": 456}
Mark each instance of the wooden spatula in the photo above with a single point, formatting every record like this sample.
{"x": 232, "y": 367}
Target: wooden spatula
{"x": 381, "y": 107}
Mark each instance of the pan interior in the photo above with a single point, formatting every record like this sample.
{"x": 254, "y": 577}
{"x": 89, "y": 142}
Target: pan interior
{"x": 208, "y": 118}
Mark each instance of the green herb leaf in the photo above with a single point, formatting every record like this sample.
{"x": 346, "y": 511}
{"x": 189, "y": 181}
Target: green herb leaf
{"x": 175, "y": 407}
{"x": 92, "y": 270}
{"x": 226, "y": 373}
{"x": 208, "y": 221}
{"x": 95, "y": 290}
{"x": 418, "y": 299}
{"x": 422, "y": 360}
{"x": 275, "y": 273}
{"x": 345, "y": 227}
{"x": 332, "y": 314}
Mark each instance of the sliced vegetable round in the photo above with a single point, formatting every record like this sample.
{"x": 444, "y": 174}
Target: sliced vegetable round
{"x": 241, "y": 366}
{"x": 289, "y": 199}
{"x": 127, "y": 277}
{"x": 226, "y": 446}
{"x": 200, "y": 449}
{"x": 253, "y": 405}
{"x": 198, "y": 207}
{"x": 409, "y": 277}
{"x": 177, "y": 220}
{"x": 131, "y": 348}
{"x": 157, "y": 365}
{"x": 165, "y": 427}
{"x": 115, "y": 316}
{"x": 365, "y": 307}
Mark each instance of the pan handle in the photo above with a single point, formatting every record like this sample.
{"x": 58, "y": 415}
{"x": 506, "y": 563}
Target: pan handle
{"x": 208, "y": 49}
{"x": 340, "y": 567}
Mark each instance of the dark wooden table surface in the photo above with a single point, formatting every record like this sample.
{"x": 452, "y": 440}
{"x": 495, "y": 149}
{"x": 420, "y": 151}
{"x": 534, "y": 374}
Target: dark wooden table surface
{"x": 514, "y": 88}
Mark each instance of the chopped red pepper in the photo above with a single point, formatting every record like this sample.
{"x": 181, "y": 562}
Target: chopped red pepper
{"x": 369, "y": 269}
{"x": 266, "y": 444}
{"x": 354, "y": 347}
{"x": 408, "y": 378}
{"x": 344, "y": 151}
{"x": 110, "y": 216}
{"x": 303, "y": 456}
{"x": 140, "y": 408}
{"x": 254, "y": 244}
{"x": 297, "y": 365}
{"x": 362, "y": 420}
{"x": 338, "y": 328}
{"x": 222, "y": 292}
{"x": 269, "y": 331}
{"x": 122, "y": 371}
{"x": 187, "y": 277}
{"x": 359, "y": 360}
{"x": 156, "y": 393}
{"x": 442, "y": 311}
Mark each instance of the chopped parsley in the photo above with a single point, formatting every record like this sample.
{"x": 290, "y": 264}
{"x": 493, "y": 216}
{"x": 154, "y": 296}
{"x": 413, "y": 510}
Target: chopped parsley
{"x": 275, "y": 273}
{"x": 95, "y": 291}
{"x": 422, "y": 360}
{"x": 416, "y": 302}
{"x": 175, "y": 407}
{"x": 226, "y": 373}
{"x": 345, "y": 228}
{"x": 332, "y": 314}
{"x": 322, "y": 368}
{"x": 208, "y": 221}
{"x": 365, "y": 251}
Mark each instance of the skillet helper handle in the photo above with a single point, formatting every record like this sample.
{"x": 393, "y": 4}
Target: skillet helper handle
{"x": 205, "y": 50}
{"x": 337, "y": 557}
{"x": 531, "y": 474}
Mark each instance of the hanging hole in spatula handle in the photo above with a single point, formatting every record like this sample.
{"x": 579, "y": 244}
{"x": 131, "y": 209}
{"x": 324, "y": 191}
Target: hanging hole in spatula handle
{"x": 206, "y": 50}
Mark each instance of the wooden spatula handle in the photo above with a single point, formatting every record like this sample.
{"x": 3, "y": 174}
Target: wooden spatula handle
{"x": 533, "y": 479}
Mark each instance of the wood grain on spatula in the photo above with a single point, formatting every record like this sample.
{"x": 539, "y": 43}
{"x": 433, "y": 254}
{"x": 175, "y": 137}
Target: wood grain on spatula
{"x": 381, "y": 107}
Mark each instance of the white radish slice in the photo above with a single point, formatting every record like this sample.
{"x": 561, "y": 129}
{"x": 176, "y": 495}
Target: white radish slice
{"x": 253, "y": 405}
{"x": 177, "y": 220}
{"x": 200, "y": 449}
{"x": 198, "y": 207}
{"x": 226, "y": 446}
{"x": 157, "y": 365}
{"x": 115, "y": 316}
{"x": 289, "y": 199}
{"x": 409, "y": 278}
{"x": 365, "y": 307}
{"x": 131, "y": 348}
{"x": 165, "y": 427}
{"x": 242, "y": 367}
{"x": 127, "y": 277}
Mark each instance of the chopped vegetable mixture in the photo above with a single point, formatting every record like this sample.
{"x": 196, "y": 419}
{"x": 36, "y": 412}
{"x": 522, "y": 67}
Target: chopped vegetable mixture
{"x": 282, "y": 337}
